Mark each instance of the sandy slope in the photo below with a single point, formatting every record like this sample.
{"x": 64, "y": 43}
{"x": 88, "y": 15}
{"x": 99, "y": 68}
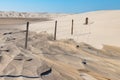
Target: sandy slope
{"x": 46, "y": 59}
{"x": 103, "y": 28}
{"x": 62, "y": 60}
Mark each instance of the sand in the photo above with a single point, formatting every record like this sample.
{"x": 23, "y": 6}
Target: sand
{"x": 67, "y": 58}
{"x": 103, "y": 28}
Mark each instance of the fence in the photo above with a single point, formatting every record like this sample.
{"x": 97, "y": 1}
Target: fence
{"x": 55, "y": 30}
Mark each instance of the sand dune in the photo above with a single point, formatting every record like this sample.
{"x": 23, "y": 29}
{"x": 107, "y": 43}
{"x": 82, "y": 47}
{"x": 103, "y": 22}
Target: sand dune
{"x": 64, "y": 59}
{"x": 12, "y": 14}
{"x": 103, "y": 28}
{"x": 61, "y": 60}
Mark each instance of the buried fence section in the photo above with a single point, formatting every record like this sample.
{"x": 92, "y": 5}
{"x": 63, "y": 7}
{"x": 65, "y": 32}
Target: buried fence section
{"x": 26, "y": 39}
{"x": 55, "y": 31}
{"x": 72, "y": 27}
{"x": 13, "y": 32}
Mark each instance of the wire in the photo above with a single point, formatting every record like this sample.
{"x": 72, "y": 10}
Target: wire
{"x": 16, "y": 76}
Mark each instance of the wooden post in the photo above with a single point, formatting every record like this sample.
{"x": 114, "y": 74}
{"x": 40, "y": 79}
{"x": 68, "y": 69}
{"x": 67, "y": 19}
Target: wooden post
{"x": 72, "y": 27}
{"x": 27, "y": 30}
{"x": 86, "y": 21}
{"x": 55, "y": 30}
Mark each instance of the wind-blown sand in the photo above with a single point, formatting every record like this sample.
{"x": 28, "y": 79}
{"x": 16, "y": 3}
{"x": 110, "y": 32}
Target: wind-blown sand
{"x": 103, "y": 28}
{"x": 46, "y": 59}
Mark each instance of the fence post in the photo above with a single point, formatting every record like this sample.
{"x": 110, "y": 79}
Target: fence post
{"x": 27, "y": 30}
{"x": 72, "y": 27}
{"x": 55, "y": 31}
{"x": 86, "y": 21}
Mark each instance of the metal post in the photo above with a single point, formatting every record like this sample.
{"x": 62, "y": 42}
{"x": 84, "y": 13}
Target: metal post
{"x": 55, "y": 30}
{"x": 26, "y": 40}
{"x": 72, "y": 27}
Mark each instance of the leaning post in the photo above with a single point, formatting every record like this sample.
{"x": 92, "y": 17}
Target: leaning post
{"x": 26, "y": 39}
{"x": 55, "y": 31}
